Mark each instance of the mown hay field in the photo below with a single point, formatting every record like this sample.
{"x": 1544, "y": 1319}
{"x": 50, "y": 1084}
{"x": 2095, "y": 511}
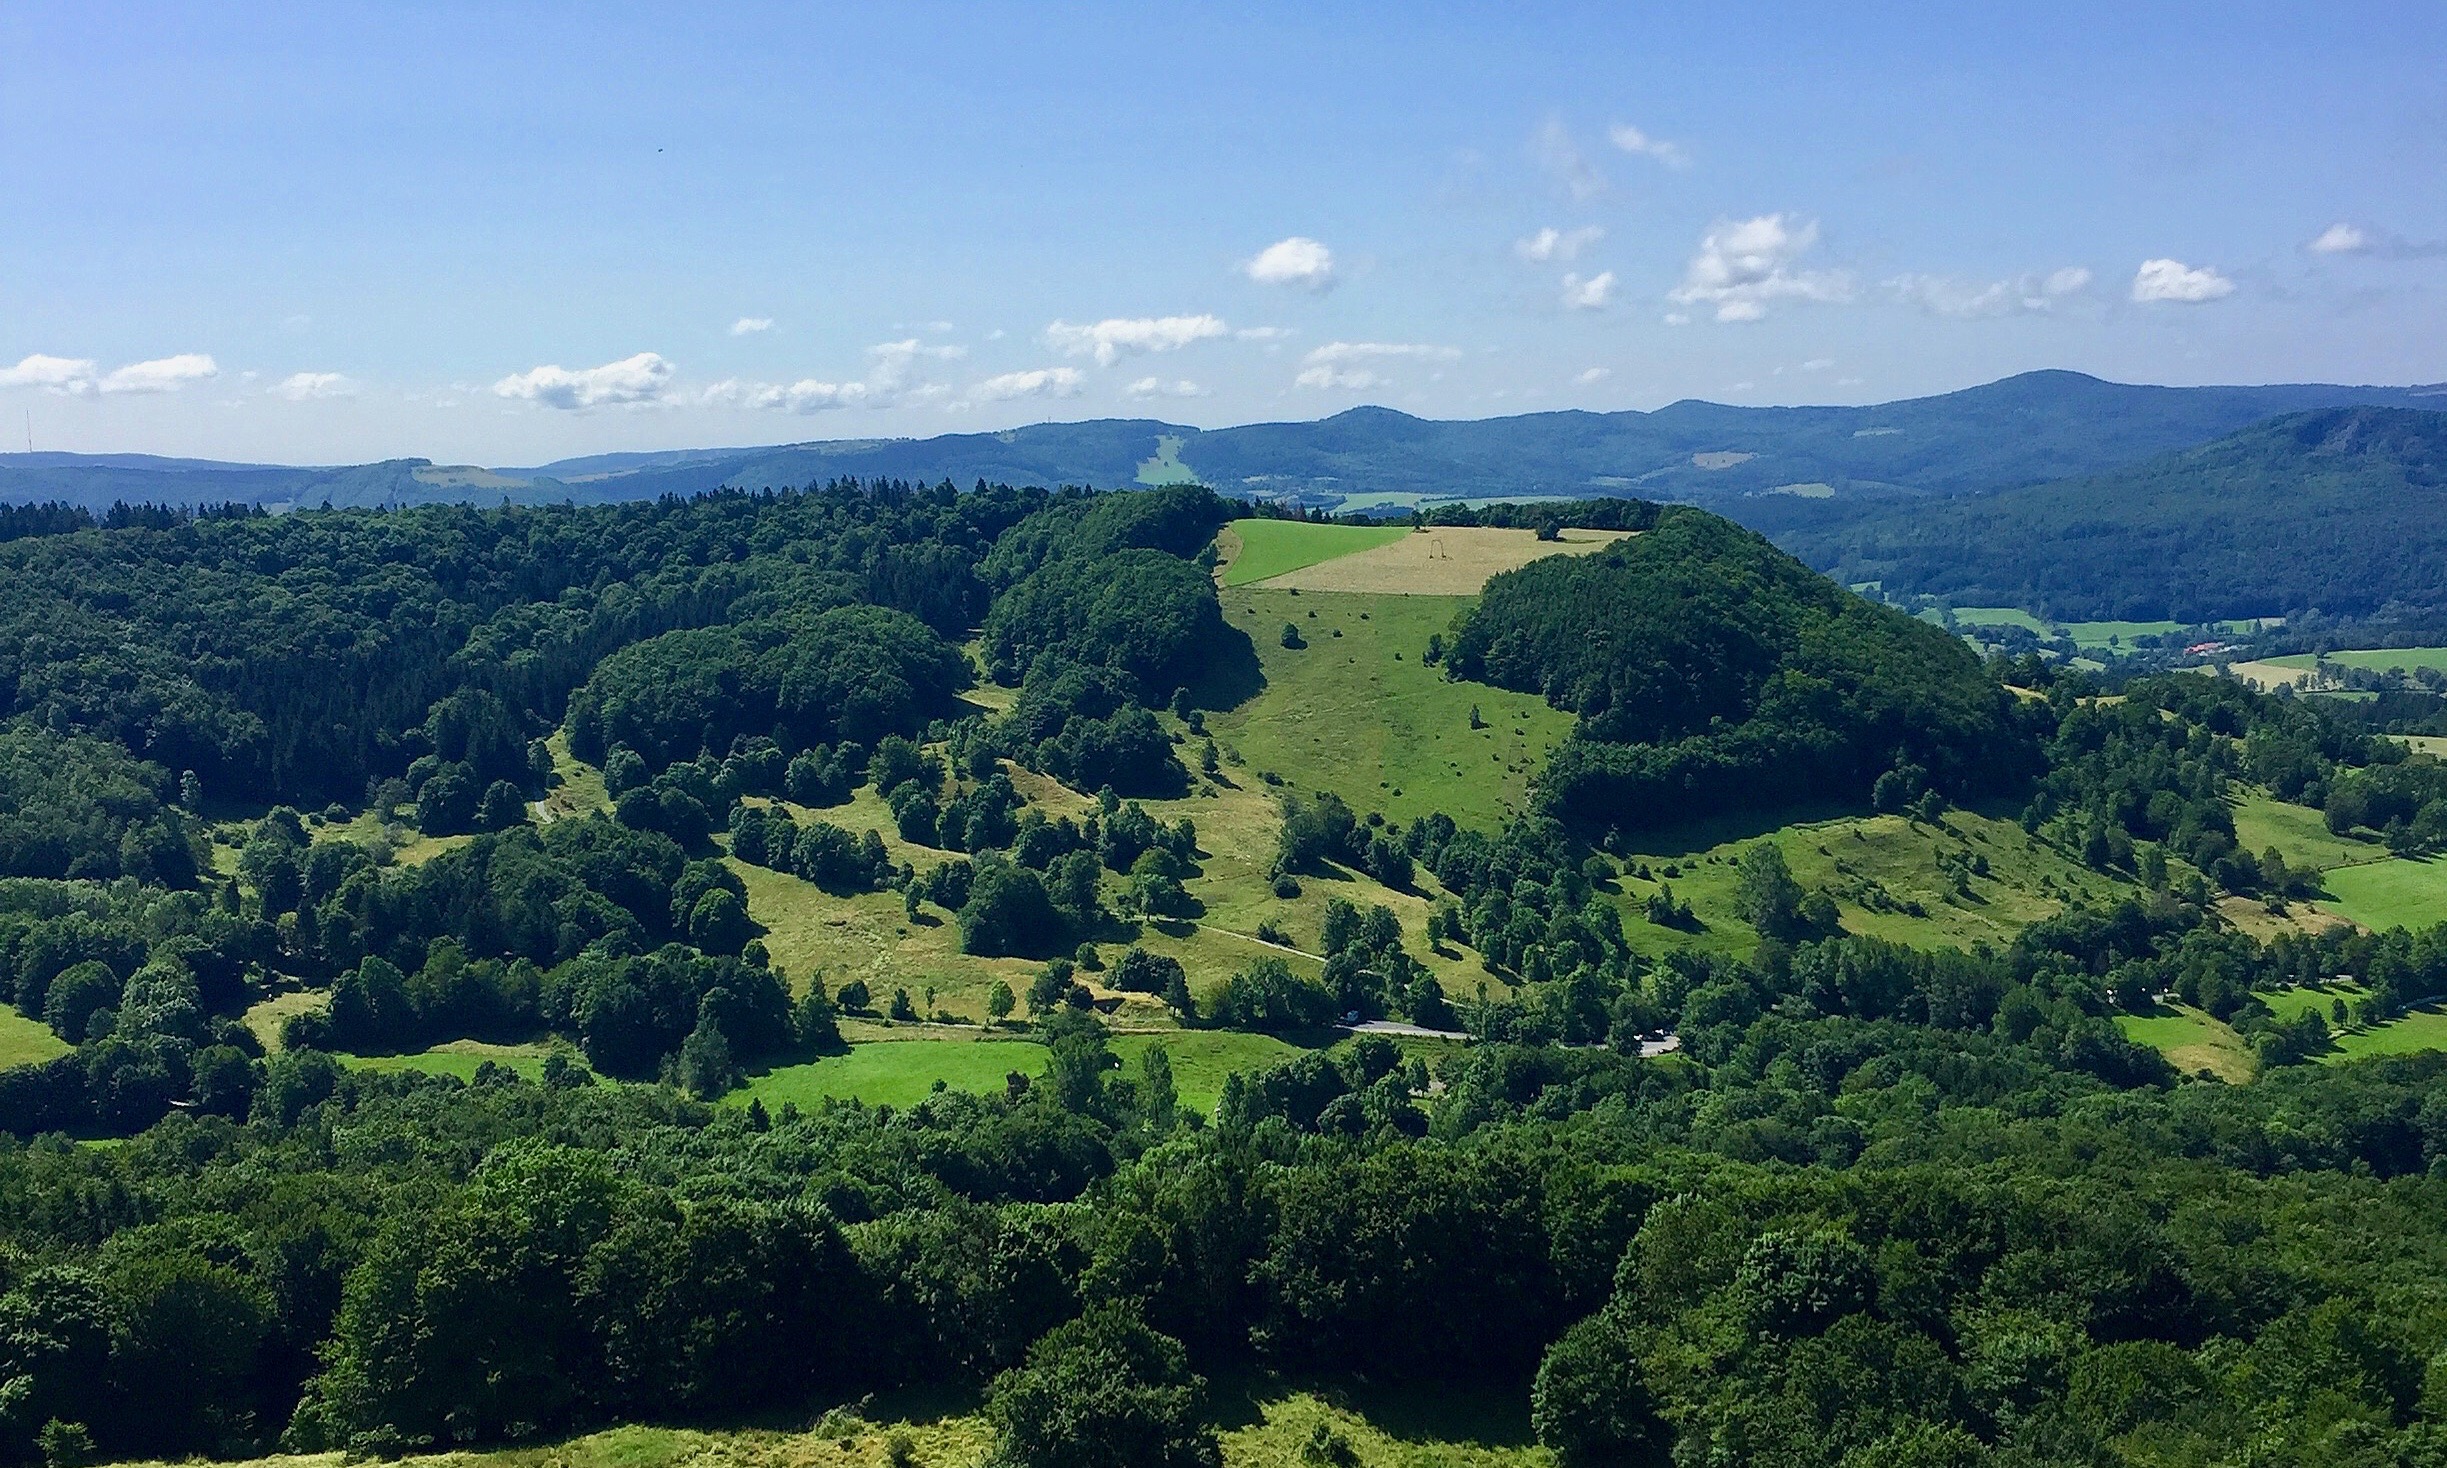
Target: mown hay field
{"x": 1449, "y": 560}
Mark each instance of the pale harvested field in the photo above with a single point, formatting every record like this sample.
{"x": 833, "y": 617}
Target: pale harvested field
{"x": 2270, "y": 676}
{"x": 1448, "y": 561}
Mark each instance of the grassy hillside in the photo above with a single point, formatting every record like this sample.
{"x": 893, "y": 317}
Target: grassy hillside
{"x": 1357, "y": 712}
{"x": 2341, "y": 509}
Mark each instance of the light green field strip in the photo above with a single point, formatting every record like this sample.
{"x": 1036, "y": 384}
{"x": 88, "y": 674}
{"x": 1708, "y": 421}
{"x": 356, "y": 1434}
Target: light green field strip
{"x": 2396, "y": 893}
{"x": 27, "y": 1041}
{"x": 904, "y": 1072}
{"x": 459, "y": 1058}
{"x": 2378, "y": 659}
{"x": 1273, "y": 547}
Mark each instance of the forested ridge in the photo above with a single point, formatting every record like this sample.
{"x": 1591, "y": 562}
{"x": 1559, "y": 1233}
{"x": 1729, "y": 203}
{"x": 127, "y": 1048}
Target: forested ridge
{"x": 1880, "y": 1205}
{"x": 2341, "y": 510}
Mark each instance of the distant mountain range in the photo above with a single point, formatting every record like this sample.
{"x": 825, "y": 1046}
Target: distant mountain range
{"x": 2339, "y": 510}
{"x": 1753, "y": 463}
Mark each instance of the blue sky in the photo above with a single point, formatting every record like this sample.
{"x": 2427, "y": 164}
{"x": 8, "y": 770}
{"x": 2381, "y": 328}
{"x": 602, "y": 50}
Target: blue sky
{"x": 505, "y": 233}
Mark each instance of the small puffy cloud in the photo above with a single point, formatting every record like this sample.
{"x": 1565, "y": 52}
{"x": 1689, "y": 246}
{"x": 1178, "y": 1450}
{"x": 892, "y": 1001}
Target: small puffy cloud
{"x": 162, "y": 374}
{"x": 1262, "y": 333}
{"x": 1588, "y": 295}
{"x": 887, "y": 383}
{"x": 1945, "y": 296}
{"x": 1298, "y": 261}
{"x": 2173, "y": 280}
{"x": 1342, "y": 364}
{"x": 1677, "y": 318}
{"x": 1157, "y": 387}
{"x": 1557, "y": 244}
{"x": 1111, "y": 339}
{"x": 2340, "y": 238}
{"x": 644, "y": 378}
{"x": 59, "y": 374}
{"x": 751, "y": 325}
{"x": 1818, "y": 364}
{"x": 1559, "y": 155}
{"x": 1593, "y": 376}
{"x": 1640, "y": 145}
{"x": 1040, "y": 382}
{"x": 1744, "y": 265}
{"x": 302, "y": 387}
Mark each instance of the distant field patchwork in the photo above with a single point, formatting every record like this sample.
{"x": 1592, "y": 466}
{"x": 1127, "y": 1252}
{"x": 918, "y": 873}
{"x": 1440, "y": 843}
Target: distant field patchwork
{"x": 2396, "y": 893}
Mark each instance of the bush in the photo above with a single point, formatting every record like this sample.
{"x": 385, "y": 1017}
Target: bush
{"x": 1103, "y": 1391}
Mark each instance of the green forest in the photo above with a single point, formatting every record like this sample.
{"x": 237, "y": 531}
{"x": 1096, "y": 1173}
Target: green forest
{"x": 1631, "y": 1183}
{"x": 2337, "y": 511}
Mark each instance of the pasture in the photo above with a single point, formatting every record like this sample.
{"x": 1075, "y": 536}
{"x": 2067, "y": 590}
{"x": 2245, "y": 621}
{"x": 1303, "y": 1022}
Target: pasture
{"x": 1268, "y": 548}
{"x": 1909, "y": 882}
{"x": 2423, "y": 1029}
{"x": 26, "y": 1041}
{"x": 2300, "y": 833}
{"x": 2192, "y": 1040}
{"x": 2396, "y": 893}
{"x": 460, "y": 1058}
{"x": 1357, "y": 712}
{"x": 903, "y": 1071}
{"x": 1447, "y": 560}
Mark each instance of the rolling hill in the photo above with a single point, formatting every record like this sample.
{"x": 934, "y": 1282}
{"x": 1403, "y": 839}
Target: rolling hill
{"x": 1765, "y": 466}
{"x": 2342, "y": 509}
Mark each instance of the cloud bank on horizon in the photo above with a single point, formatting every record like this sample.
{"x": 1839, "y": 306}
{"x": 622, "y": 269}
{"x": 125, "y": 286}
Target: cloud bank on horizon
{"x": 1497, "y": 213}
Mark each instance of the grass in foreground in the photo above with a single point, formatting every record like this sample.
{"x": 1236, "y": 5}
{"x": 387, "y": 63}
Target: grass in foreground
{"x": 27, "y": 1041}
{"x": 1275, "y": 1437}
{"x": 1273, "y": 547}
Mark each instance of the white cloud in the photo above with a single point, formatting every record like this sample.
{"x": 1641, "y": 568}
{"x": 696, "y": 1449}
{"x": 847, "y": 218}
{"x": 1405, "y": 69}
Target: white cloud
{"x": 887, "y": 383}
{"x": 1337, "y": 364}
{"x": 59, "y": 374}
{"x": 644, "y": 378}
{"x": 1262, "y": 333}
{"x": 1946, "y": 296}
{"x": 1594, "y": 375}
{"x": 1298, "y": 261}
{"x": 1562, "y": 159}
{"x": 1108, "y": 340}
{"x": 1157, "y": 387}
{"x": 1591, "y": 294}
{"x": 162, "y": 374}
{"x": 751, "y": 325}
{"x": 1743, "y": 265}
{"x": 1040, "y": 382}
{"x": 1352, "y": 379}
{"x": 1557, "y": 244}
{"x": 2340, "y": 238}
{"x": 2173, "y": 280}
{"x": 1677, "y": 318}
{"x": 1640, "y": 145}
{"x": 299, "y": 387}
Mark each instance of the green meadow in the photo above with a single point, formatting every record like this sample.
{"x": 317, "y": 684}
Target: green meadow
{"x": 902, "y": 1072}
{"x": 1273, "y": 547}
{"x": 1357, "y": 711}
{"x": 2379, "y": 659}
{"x": 26, "y": 1041}
{"x": 2396, "y": 893}
{"x": 2192, "y": 1041}
{"x": 460, "y": 1058}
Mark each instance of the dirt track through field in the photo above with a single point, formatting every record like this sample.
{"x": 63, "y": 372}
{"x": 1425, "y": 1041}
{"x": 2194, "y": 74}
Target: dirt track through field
{"x": 1445, "y": 561}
